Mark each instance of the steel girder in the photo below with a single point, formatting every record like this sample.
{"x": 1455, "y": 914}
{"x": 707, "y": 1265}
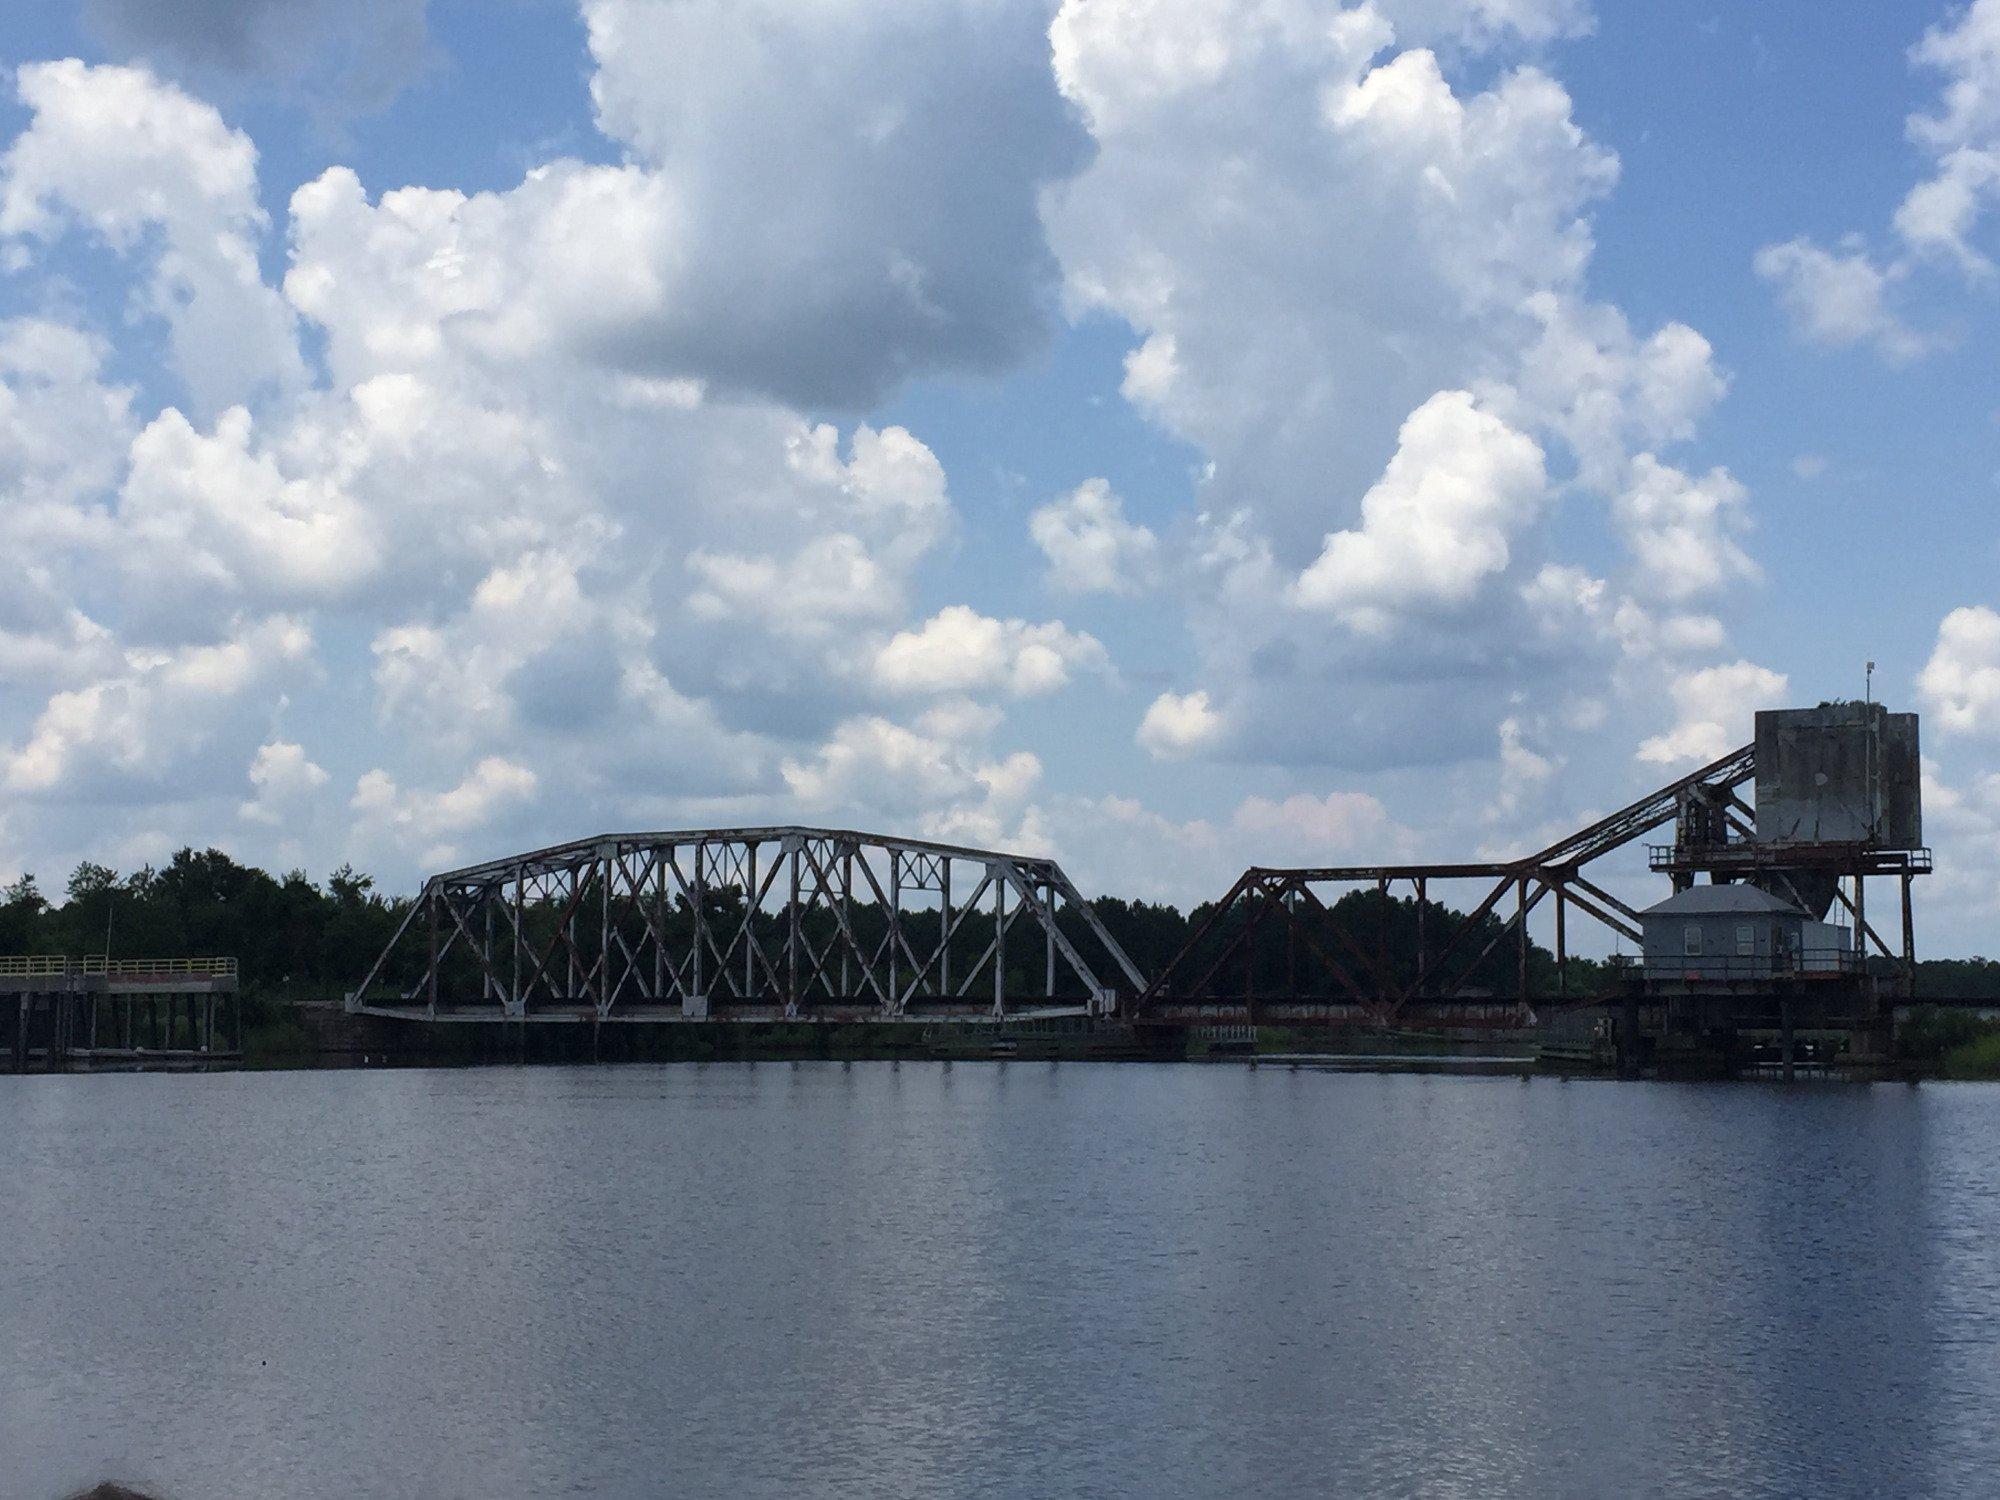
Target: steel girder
{"x": 783, "y": 923}
{"x": 1331, "y": 971}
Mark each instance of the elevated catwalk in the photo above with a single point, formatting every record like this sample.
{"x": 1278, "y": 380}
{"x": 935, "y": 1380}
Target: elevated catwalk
{"x": 59, "y": 1012}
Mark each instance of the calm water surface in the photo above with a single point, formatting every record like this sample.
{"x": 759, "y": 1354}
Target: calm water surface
{"x": 1014, "y": 1279}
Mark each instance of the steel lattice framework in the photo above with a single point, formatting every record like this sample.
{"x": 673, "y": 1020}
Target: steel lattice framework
{"x": 753, "y": 924}
{"x": 1323, "y": 968}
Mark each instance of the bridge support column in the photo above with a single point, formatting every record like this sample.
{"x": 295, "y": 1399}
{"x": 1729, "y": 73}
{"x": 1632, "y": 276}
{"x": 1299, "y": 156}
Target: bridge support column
{"x": 1628, "y": 1037}
{"x": 1562, "y": 944}
{"x": 1909, "y": 944}
{"x": 1521, "y": 957}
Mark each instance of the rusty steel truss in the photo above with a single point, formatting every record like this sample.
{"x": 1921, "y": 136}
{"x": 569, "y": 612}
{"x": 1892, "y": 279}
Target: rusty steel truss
{"x": 757, "y": 924}
{"x": 1273, "y": 950}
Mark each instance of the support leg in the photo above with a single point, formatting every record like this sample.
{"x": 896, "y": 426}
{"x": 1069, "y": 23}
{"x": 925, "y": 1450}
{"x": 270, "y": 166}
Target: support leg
{"x": 1909, "y": 945}
{"x": 1628, "y": 1038}
{"x": 1562, "y": 945}
{"x": 1423, "y": 929}
{"x": 1521, "y": 963}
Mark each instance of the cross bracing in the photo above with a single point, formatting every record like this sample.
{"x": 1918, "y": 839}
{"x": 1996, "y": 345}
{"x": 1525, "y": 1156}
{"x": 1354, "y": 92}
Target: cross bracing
{"x": 1274, "y": 949}
{"x": 782, "y": 923}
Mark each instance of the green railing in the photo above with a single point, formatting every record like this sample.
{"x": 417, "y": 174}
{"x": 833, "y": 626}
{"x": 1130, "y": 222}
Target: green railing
{"x": 33, "y": 965}
{"x": 58, "y": 966}
{"x": 164, "y": 968}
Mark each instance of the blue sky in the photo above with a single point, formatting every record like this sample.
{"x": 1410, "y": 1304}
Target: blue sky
{"x": 1173, "y": 434}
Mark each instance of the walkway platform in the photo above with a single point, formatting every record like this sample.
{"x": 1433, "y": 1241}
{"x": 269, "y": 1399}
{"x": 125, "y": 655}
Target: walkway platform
{"x": 59, "y": 1013}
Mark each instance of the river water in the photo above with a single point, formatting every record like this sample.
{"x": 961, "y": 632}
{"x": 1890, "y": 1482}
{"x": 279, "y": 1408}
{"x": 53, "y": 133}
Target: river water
{"x": 995, "y": 1279}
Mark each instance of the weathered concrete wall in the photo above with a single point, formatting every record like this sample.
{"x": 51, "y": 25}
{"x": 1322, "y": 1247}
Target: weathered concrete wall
{"x": 1840, "y": 773}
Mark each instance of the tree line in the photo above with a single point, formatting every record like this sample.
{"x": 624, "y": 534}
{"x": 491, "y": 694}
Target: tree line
{"x": 290, "y": 935}
{"x": 297, "y": 938}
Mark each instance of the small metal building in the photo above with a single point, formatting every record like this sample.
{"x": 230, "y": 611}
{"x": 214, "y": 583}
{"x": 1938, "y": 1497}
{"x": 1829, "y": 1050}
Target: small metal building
{"x": 1738, "y": 934}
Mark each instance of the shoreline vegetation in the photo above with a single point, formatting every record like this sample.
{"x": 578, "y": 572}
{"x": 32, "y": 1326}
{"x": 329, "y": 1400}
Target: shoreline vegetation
{"x": 1950, "y": 1043}
{"x": 301, "y": 943}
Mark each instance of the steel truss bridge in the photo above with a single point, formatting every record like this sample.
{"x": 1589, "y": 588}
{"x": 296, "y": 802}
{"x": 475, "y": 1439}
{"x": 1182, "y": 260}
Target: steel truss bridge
{"x": 1315, "y": 966}
{"x": 809, "y": 924}
{"x": 750, "y": 924}
{"x": 1326, "y": 964}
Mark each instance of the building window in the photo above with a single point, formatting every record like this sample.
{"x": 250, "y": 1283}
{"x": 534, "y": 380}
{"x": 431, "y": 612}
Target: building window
{"x": 1691, "y": 941}
{"x": 1746, "y": 942}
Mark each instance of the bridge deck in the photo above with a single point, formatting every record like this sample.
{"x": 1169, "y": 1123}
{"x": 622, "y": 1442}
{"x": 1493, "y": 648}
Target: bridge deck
{"x": 91, "y": 1012}
{"x": 58, "y": 974}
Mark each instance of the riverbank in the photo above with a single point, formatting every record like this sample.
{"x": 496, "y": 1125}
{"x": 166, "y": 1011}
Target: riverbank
{"x": 319, "y": 1035}
{"x": 1931, "y": 1043}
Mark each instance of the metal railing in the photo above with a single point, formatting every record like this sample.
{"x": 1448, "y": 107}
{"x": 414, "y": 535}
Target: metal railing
{"x": 1806, "y": 964}
{"x": 60, "y": 966}
{"x": 165, "y": 968}
{"x": 1783, "y": 854}
{"x": 33, "y": 966}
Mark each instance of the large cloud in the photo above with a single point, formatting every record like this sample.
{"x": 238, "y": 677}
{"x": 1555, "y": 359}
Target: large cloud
{"x": 1960, "y": 684}
{"x": 853, "y": 185}
{"x": 1436, "y": 526}
{"x": 1715, "y": 709}
{"x": 550, "y": 529}
{"x": 959, "y": 650}
{"x": 818, "y": 203}
{"x": 427, "y": 823}
{"x": 1311, "y": 243}
{"x": 341, "y": 55}
{"x": 543, "y": 513}
{"x": 156, "y": 174}
{"x": 1091, "y": 546}
{"x": 1360, "y": 289}
{"x": 1940, "y": 215}
{"x": 150, "y": 724}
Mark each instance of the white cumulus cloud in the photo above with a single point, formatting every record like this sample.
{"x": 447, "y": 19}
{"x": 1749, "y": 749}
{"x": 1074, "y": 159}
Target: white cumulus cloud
{"x": 1436, "y": 527}
{"x": 284, "y": 779}
{"x": 1960, "y": 684}
{"x": 1715, "y": 709}
{"x": 430, "y": 823}
{"x": 1090, "y": 545}
{"x": 1844, "y": 296}
{"x": 1838, "y": 297}
{"x": 117, "y": 153}
{"x": 960, "y": 650}
{"x": 1180, "y": 724}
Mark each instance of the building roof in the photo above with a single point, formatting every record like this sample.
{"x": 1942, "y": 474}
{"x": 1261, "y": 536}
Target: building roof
{"x": 1716, "y": 900}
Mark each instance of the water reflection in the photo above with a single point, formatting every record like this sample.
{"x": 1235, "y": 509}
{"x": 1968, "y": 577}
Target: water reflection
{"x": 996, "y": 1279}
